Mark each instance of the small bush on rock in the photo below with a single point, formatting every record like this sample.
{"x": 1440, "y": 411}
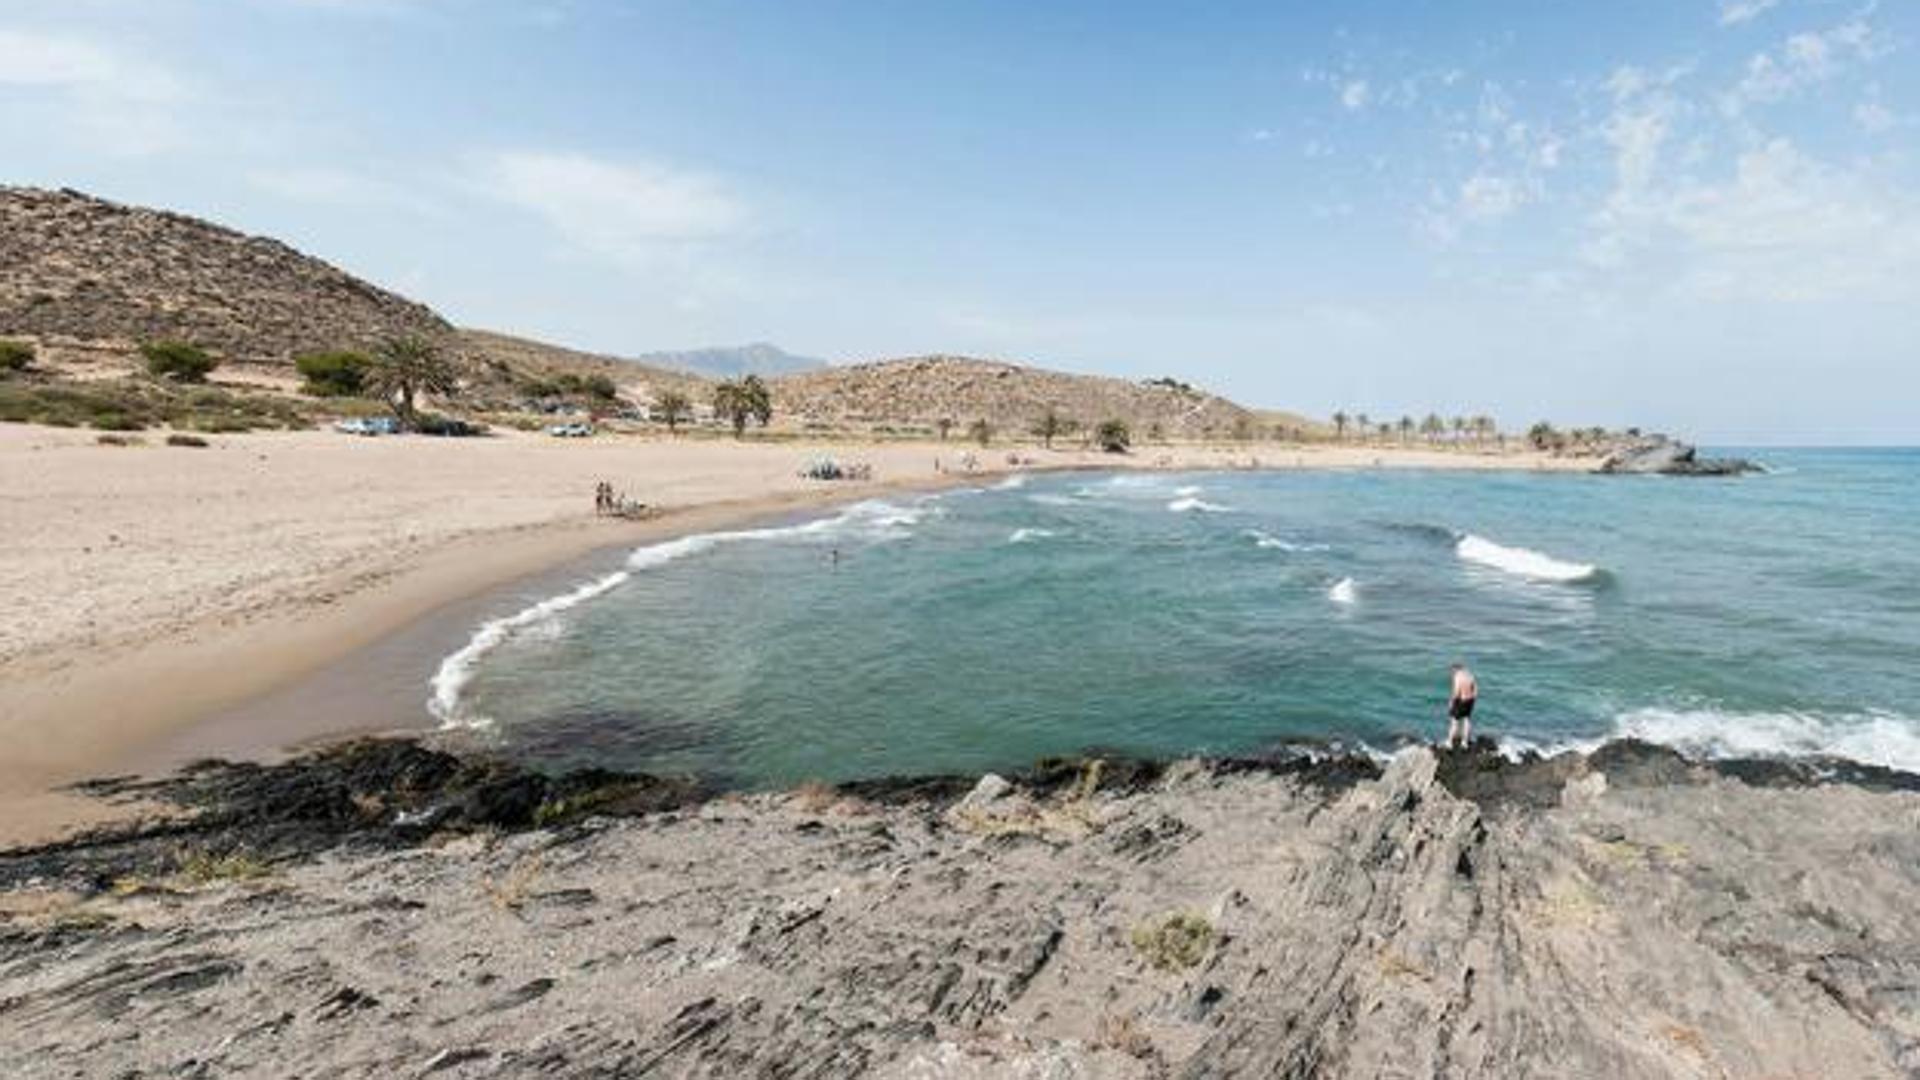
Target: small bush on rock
{"x": 15, "y": 356}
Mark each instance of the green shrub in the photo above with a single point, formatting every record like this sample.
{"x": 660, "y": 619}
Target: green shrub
{"x": 178, "y": 360}
{"x": 333, "y": 374}
{"x": 1113, "y": 436}
{"x": 116, "y": 421}
{"x": 1176, "y": 942}
{"x": 15, "y": 356}
{"x": 177, "y": 439}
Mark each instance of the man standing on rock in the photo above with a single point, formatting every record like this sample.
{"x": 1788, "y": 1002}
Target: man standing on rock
{"x": 1466, "y": 689}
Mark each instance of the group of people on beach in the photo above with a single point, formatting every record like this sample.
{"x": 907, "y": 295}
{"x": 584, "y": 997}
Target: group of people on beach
{"x": 607, "y": 501}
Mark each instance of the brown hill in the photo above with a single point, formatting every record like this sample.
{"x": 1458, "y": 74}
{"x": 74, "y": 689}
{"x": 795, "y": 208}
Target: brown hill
{"x": 924, "y": 390}
{"x": 76, "y": 269}
{"x": 512, "y": 358}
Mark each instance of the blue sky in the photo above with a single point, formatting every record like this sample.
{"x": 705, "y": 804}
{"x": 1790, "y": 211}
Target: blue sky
{"x": 1697, "y": 215}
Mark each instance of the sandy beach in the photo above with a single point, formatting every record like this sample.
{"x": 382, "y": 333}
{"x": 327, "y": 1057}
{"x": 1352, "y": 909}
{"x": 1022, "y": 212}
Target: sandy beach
{"x": 150, "y": 586}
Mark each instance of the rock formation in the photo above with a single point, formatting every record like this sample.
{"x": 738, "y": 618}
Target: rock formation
{"x": 1629, "y": 914}
{"x": 1670, "y": 457}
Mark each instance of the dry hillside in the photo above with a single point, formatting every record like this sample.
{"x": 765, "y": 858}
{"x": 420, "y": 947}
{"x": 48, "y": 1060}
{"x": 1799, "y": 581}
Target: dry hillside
{"x": 504, "y": 355}
{"x": 924, "y": 390}
{"x": 79, "y": 270}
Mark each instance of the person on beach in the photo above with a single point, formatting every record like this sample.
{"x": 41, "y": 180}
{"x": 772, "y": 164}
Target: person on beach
{"x": 1466, "y": 690}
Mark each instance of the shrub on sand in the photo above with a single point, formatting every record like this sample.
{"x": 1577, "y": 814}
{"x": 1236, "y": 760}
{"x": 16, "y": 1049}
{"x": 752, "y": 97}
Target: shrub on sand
{"x": 15, "y": 356}
{"x": 333, "y": 374}
{"x": 178, "y": 360}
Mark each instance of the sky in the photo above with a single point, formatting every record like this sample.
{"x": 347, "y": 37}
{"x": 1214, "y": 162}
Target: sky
{"x": 1699, "y": 216}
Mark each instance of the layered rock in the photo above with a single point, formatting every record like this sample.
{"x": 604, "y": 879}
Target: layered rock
{"x": 1630, "y": 914}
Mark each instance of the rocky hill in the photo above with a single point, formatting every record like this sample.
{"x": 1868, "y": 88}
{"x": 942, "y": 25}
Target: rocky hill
{"x": 81, "y": 270}
{"x": 924, "y": 390}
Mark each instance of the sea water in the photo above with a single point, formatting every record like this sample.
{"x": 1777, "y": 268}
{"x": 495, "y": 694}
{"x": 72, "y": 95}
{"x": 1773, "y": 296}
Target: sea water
{"x": 1227, "y": 613}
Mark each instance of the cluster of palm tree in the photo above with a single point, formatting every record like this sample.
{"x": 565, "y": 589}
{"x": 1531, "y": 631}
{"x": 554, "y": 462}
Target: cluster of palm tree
{"x": 1433, "y": 427}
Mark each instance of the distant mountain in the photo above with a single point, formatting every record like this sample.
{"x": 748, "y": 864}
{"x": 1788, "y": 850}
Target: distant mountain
{"x": 733, "y": 361}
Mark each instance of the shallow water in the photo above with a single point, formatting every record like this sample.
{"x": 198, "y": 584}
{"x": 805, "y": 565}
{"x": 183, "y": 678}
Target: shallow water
{"x": 1221, "y": 613}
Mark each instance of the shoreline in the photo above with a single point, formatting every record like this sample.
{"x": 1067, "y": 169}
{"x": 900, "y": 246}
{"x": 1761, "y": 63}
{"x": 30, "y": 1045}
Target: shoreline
{"x": 143, "y": 703}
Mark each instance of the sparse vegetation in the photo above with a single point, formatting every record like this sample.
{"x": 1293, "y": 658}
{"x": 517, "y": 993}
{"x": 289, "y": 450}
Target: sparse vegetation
{"x": 197, "y": 866}
{"x": 178, "y": 360}
{"x": 943, "y": 426}
{"x": 980, "y": 431}
{"x": 1176, "y": 942}
{"x": 405, "y": 368}
{"x": 15, "y": 356}
{"x": 133, "y": 404}
{"x": 333, "y": 374}
{"x": 1050, "y": 425}
{"x": 195, "y": 441}
{"x": 1113, "y": 436}
{"x": 741, "y": 400}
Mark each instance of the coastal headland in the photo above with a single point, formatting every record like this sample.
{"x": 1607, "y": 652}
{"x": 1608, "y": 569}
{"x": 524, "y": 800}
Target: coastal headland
{"x": 384, "y": 909}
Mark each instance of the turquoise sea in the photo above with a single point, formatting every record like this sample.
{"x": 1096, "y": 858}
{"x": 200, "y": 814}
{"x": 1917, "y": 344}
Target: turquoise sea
{"x": 1223, "y": 613}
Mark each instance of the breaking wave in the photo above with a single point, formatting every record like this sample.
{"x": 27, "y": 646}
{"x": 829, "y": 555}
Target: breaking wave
{"x": 1190, "y": 503}
{"x": 1267, "y": 540}
{"x": 1022, "y": 536}
{"x": 875, "y": 521}
{"x": 1872, "y": 738}
{"x": 1522, "y": 562}
{"x": 1344, "y": 591}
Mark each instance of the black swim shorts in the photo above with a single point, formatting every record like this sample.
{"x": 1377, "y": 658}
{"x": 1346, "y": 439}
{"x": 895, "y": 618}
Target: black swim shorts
{"x": 1460, "y": 709}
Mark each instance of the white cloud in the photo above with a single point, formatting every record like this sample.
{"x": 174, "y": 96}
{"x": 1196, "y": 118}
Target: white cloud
{"x": 1875, "y": 118}
{"x": 1356, "y": 94}
{"x": 1804, "y": 60}
{"x": 1485, "y": 197}
{"x": 72, "y": 64}
{"x": 58, "y": 87}
{"x": 1734, "y": 12}
{"x": 629, "y": 212}
{"x": 1783, "y": 227}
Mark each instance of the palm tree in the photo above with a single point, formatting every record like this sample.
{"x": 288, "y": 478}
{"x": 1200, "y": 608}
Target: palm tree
{"x": 1459, "y": 425}
{"x": 672, "y": 407}
{"x": 1361, "y": 425}
{"x": 1050, "y": 424}
{"x": 980, "y": 431}
{"x": 943, "y": 425}
{"x": 1340, "y": 425}
{"x": 406, "y": 367}
{"x": 1432, "y": 426}
{"x": 740, "y": 400}
{"x": 1406, "y": 428}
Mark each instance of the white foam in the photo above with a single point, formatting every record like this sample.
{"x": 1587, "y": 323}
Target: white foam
{"x": 1266, "y": 540}
{"x": 874, "y": 520}
{"x": 1049, "y": 499}
{"x": 1344, "y": 591}
{"x": 1022, "y": 536}
{"x": 1874, "y": 738}
{"x": 1189, "y": 491}
{"x": 1190, "y": 504}
{"x": 1011, "y": 483}
{"x": 1521, "y": 561}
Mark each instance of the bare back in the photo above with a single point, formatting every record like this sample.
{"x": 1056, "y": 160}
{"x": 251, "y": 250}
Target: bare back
{"x": 1465, "y": 686}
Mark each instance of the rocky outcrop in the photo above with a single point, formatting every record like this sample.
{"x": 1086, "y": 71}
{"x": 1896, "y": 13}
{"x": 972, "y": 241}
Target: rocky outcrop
{"x": 1669, "y": 457}
{"x": 1626, "y": 914}
{"x": 922, "y": 391}
{"x": 80, "y": 270}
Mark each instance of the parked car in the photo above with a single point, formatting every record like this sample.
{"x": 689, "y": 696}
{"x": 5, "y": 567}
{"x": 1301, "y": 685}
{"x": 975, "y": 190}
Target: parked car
{"x": 368, "y": 425}
{"x": 570, "y": 431}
